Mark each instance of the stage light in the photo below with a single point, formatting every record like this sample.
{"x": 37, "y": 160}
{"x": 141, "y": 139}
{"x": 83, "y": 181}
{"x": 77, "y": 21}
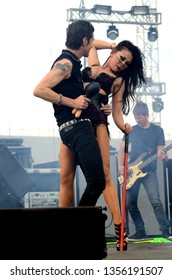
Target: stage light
{"x": 140, "y": 10}
{"x": 152, "y": 34}
{"x": 112, "y": 32}
{"x": 149, "y": 81}
{"x": 158, "y": 105}
{"x": 102, "y": 9}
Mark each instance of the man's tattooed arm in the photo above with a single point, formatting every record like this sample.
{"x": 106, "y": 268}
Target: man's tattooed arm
{"x": 63, "y": 67}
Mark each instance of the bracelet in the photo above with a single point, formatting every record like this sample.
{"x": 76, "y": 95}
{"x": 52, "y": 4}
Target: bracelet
{"x": 59, "y": 101}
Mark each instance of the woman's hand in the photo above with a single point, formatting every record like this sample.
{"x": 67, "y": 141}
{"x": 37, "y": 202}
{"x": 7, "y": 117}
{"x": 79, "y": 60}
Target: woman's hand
{"x": 107, "y": 109}
{"x": 127, "y": 128}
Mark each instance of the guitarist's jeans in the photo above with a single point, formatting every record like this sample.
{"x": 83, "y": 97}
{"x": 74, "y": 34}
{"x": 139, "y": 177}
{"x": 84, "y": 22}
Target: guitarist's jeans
{"x": 150, "y": 183}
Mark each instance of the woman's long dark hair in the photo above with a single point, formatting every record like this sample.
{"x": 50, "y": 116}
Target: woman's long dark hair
{"x": 133, "y": 75}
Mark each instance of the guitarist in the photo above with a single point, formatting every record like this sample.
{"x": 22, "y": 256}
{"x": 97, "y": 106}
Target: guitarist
{"x": 148, "y": 138}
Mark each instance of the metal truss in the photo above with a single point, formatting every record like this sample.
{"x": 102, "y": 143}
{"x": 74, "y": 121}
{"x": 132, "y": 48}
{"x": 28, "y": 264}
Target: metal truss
{"x": 122, "y": 17}
{"x": 154, "y": 88}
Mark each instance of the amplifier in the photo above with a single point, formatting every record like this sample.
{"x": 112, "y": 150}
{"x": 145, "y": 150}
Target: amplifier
{"x": 41, "y": 199}
{"x": 45, "y": 179}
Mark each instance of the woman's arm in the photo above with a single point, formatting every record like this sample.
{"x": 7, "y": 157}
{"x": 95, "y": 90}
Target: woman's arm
{"x": 93, "y": 58}
{"x": 100, "y": 45}
{"x": 117, "y": 108}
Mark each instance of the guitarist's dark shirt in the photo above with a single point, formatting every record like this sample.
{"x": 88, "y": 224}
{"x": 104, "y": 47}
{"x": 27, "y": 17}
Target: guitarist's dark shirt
{"x": 145, "y": 140}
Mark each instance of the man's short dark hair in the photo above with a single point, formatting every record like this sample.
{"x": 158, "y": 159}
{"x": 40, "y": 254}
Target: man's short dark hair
{"x": 76, "y": 31}
{"x": 141, "y": 108}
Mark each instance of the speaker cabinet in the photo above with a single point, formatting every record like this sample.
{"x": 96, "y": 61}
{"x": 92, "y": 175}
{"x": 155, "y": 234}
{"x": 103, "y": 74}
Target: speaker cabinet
{"x": 45, "y": 179}
{"x": 14, "y": 180}
{"x": 76, "y": 233}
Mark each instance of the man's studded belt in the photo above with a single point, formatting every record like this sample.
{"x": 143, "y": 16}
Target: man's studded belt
{"x": 71, "y": 122}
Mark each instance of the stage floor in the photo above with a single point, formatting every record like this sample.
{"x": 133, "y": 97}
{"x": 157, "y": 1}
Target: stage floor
{"x": 150, "y": 249}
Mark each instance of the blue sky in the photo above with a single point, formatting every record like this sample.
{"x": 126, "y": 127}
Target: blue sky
{"x": 32, "y": 35}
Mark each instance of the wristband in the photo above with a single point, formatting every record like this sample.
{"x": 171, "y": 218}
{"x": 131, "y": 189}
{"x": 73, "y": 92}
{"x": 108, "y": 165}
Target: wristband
{"x": 59, "y": 101}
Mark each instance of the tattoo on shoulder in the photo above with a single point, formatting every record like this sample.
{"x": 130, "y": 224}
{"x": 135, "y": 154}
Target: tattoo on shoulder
{"x": 62, "y": 67}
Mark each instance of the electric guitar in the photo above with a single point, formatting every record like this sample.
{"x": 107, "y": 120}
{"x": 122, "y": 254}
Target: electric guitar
{"x": 135, "y": 169}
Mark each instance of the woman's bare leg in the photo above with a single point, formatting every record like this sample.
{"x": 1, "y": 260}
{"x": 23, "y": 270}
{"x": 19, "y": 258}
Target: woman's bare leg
{"x": 110, "y": 192}
{"x": 67, "y": 175}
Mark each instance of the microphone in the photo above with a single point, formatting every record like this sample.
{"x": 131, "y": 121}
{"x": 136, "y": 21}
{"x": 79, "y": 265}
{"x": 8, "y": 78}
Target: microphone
{"x": 91, "y": 90}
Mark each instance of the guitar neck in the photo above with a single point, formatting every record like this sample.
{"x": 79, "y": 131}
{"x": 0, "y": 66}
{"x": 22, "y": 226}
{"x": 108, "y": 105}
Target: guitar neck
{"x": 149, "y": 160}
